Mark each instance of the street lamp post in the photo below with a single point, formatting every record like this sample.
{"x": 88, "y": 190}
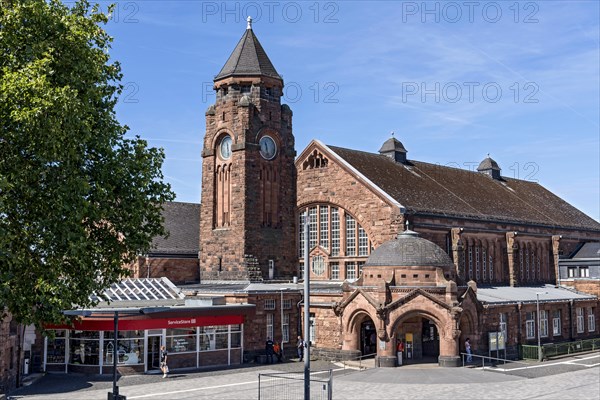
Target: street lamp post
{"x": 537, "y": 301}
{"x": 306, "y": 310}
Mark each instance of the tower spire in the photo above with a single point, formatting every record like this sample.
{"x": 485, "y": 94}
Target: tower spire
{"x": 248, "y": 59}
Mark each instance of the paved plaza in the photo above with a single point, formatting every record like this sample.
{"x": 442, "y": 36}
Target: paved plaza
{"x": 569, "y": 378}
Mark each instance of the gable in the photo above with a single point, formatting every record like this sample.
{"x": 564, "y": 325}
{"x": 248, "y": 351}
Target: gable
{"x": 320, "y": 158}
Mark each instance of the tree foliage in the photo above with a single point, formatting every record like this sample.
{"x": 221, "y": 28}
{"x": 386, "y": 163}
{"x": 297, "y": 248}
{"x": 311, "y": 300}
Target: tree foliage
{"x": 78, "y": 200}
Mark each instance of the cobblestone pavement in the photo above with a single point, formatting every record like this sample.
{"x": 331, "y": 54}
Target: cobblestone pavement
{"x": 579, "y": 378}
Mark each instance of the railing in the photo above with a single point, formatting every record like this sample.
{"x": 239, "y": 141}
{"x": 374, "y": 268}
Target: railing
{"x": 290, "y": 385}
{"x": 559, "y": 349}
{"x": 358, "y": 362}
{"x": 529, "y": 352}
{"x": 491, "y": 361}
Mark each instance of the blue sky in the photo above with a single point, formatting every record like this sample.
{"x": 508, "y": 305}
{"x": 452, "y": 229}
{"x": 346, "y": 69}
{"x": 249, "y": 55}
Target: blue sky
{"x": 454, "y": 81}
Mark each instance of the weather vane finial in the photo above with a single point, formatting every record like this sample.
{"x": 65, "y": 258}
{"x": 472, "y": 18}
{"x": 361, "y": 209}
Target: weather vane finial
{"x": 392, "y": 132}
{"x": 249, "y": 19}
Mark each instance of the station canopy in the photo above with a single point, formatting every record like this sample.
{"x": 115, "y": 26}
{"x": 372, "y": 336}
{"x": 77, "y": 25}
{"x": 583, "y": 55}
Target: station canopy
{"x": 153, "y": 303}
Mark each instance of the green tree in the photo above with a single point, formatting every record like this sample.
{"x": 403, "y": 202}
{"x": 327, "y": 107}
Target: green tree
{"x": 78, "y": 200}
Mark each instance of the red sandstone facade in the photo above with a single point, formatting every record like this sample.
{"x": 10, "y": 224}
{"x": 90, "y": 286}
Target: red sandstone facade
{"x": 247, "y": 228}
{"x": 10, "y": 349}
{"x": 401, "y": 304}
{"x": 487, "y": 252}
{"x": 179, "y": 270}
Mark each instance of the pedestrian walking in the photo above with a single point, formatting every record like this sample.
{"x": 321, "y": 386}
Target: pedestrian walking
{"x": 468, "y": 350}
{"x": 300, "y": 347}
{"x": 269, "y": 350}
{"x": 163, "y": 361}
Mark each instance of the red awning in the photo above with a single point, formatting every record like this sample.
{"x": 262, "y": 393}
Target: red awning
{"x": 128, "y": 324}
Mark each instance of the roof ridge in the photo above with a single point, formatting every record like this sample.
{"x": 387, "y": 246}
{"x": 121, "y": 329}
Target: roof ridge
{"x": 243, "y": 41}
{"x": 471, "y": 196}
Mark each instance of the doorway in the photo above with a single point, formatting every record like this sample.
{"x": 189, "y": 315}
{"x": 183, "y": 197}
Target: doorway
{"x": 430, "y": 339}
{"x": 368, "y": 337}
{"x": 153, "y": 355}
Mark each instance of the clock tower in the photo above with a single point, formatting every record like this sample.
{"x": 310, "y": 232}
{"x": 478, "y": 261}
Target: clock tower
{"x": 247, "y": 224}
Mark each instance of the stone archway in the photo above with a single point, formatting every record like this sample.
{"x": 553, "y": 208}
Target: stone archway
{"x": 413, "y": 317}
{"x": 358, "y": 335}
{"x": 420, "y": 334}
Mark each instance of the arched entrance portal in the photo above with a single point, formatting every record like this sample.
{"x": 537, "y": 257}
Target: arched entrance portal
{"x": 368, "y": 337}
{"x": 420, "y": 338}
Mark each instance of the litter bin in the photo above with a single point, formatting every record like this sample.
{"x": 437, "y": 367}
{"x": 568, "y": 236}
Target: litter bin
{"x": 399, "y": 354}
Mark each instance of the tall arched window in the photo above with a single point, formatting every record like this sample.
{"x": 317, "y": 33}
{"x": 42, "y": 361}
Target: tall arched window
{"x": 336, "y": 238}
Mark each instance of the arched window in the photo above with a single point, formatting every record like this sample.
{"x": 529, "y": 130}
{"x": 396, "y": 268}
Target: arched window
{"x": 335, "y": 235}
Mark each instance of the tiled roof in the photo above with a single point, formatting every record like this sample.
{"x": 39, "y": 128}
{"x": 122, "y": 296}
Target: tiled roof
{"x": 248, "y": 59}
{"x": 182, "y": 221}
{"x": 429, "y": 188}
{"x": 392, "y": 144}
{"x": 488, "y": 163}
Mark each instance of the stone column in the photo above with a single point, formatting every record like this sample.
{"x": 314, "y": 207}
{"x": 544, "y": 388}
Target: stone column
{"x": 350, "y": 340}
{"x": 555, "y": 257}
{"x": 449, "y": 346}
{"x": 458, "y": 253}
{"x": 386, "y": 356}
{"x": 512, "y": 250}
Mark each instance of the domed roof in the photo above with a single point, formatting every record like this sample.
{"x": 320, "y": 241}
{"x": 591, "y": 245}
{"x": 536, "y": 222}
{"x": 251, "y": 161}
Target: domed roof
{"x": 392, "y": 144}
{"x": 488, "y": 163}
{"x": 407, "y": 250}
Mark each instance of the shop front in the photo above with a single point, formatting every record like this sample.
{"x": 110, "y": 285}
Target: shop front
{"x": 204, "y": 336}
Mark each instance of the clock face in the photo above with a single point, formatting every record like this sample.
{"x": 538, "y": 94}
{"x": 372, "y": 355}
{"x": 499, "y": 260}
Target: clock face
{"x": 225, "y": 147}
{"x": 268, "y": 148}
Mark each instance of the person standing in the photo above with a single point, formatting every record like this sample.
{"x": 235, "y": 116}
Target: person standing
{"x": 269, "y": 350}
{"x": 300, "y": 347}
{"x": 400, "y": 351}
{"x": 163, "y": 361}
{"x": 277, "y": 351}
{"x": 468, "y": 350}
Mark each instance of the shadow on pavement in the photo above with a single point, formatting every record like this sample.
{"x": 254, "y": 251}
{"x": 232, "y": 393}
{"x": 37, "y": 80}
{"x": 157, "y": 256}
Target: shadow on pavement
{"x": 60, "y": 383}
